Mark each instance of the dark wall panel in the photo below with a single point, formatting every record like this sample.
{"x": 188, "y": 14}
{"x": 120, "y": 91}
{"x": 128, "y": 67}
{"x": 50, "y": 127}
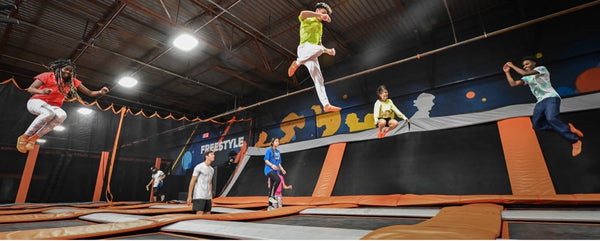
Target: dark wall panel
{"x": 458, "y": 161}
{"x": 574, "y": 174}
{"x": 303, "y": 170}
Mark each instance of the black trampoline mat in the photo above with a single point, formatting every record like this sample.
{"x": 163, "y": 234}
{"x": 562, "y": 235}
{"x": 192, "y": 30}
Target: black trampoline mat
{"x": 303, "y": 170}
{"x": 526, "y": 230}
{"x": 40, "y": 225}
{"x": 348, "y": 222}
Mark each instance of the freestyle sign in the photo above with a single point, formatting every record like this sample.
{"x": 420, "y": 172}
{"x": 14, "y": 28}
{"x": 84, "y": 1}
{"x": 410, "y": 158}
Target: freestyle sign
{"x": 224, "y": 145}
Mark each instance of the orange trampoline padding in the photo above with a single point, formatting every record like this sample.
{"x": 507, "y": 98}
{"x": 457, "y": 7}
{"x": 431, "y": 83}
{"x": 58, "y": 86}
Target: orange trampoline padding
{"x": 525, "y": 162}
{"x": 395, "y": 200}
{"x": 473, "y": 221}
{"x": 329, "y": 172}
{"x": 97, "y": 230}
{"x": 37, "y": 217}
{"x": 243, "y": 205}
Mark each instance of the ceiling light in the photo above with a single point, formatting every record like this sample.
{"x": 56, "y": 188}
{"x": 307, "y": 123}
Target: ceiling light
{"x": 59, "y": 128}
{"x": 84, "y": 111}
{"x": 185, "y": 42}
{"x": 41, "y": 141}
{"x": 128, "y": 82}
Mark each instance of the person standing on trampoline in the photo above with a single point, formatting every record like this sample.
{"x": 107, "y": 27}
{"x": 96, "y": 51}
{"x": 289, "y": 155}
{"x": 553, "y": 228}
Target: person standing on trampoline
{"x": 383, "y": 112}
{"x": 547, "y": 108}
{"x": 310, "y": 48}
{"x": 49, "y": 90}
{"x": 272, "y": 167}
{"x": 156, "y": 181}
{"x": 201, "y": 185}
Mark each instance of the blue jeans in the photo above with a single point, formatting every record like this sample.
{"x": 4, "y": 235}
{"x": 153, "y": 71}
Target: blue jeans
{"x": 545, "y": 117}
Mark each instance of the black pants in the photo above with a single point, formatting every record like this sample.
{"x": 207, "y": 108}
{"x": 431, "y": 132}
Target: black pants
{"x": 275, "y": 180}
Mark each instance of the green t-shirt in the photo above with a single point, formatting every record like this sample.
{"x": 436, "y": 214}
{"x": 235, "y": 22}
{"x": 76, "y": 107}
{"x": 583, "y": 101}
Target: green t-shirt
{"x": 311, "y": 30}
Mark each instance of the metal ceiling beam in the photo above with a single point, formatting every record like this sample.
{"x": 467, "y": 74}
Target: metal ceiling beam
{"x": 287, "y": 55}
{"x": 96, "y": 33}
{"x": 277, "y": 46}
{"x": 238, "y": 76}
{"x": 160, "y": 18}
{"x": 262, "y": 56}
{"x": 126, "y": 57}
{"x": 9, "y": 27}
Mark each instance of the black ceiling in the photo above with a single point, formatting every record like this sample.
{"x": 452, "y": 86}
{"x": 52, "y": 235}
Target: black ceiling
{"x": 245, "y": 45}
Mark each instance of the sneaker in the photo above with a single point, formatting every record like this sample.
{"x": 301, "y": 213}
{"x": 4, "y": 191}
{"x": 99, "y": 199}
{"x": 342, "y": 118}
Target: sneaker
{"x": 31, "y": 142}
{"x": 272, "y": 200}
{"x": 331, "y": 108}
{"x": 292, "y": 69}
{"x": 270, "y": 208}
{"x": 22, "y": 142}
{"x": 575, "y": 131}
{"x": 576, "y": 148}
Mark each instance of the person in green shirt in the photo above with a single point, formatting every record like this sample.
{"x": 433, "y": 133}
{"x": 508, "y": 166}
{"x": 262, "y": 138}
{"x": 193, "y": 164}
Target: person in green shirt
{"x": 547, "y": 108}
{"x": 310, "y": 48}
{"x": 383, "y": 112}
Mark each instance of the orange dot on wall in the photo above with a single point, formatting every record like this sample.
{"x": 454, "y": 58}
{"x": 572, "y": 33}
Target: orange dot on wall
{"x": 588, "y": 80}
{"x": 470, "y": 94}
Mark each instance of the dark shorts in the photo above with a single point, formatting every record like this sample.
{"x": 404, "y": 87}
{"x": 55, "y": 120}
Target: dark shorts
{"x": 387, "y": 121}
{"x": 156, "y": 191}
{"x": 204, "y": 205}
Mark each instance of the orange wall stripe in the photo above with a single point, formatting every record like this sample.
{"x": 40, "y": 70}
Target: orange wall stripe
{"x": 525, "y": 162}
{"x": 100, "y": 178}
{"x": 330, "y": 170}
{"x": 27, "y": 174}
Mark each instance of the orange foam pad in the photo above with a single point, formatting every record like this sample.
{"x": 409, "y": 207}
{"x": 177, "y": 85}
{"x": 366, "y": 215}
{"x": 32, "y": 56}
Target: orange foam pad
{"x": 473, "y": 221}
{"x": 97, "y": 230}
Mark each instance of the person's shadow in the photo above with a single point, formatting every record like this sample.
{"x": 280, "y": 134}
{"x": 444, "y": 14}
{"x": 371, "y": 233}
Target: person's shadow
{"x": 424, "y": 104}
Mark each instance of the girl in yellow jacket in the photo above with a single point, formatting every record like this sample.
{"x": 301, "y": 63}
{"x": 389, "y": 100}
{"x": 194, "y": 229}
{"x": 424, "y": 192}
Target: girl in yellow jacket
{"x": 384, "y": 111}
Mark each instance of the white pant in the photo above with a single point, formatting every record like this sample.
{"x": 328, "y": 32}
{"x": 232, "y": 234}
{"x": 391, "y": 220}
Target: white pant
{"x": 48, "y": 117}
{"x": 308, "y": 55}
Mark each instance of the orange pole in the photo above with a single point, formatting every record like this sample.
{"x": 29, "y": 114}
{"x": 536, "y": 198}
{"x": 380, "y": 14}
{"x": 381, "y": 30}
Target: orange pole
{"x": 27, "y": 174}
{"x": 109, "y": 196}
{"x": 100, "y": 178}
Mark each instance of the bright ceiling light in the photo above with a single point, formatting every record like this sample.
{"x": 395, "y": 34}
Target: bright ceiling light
{"x": 41, "y": 141}
{"x": 59, "y": 128}
{"x": 185, "y": 42}
{"x": 84, "y": 111}
{"x": 128, "y": 82}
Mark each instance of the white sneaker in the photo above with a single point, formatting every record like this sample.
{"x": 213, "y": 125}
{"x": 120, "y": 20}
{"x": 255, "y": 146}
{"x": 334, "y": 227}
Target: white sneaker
{"x": 272, "y": 200}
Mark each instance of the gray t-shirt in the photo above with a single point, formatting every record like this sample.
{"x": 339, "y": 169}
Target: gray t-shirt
{"x": 202, "y": 187}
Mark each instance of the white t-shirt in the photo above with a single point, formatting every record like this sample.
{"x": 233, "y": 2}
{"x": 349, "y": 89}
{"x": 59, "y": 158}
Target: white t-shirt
{"x": 202, "y": 187}
{"x": 157, "y": 177}
{"x": 540, "y": 84}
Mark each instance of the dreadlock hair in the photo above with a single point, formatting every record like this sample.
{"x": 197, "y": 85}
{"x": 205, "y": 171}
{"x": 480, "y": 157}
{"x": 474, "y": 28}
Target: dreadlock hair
{"x": 56, "y": 67}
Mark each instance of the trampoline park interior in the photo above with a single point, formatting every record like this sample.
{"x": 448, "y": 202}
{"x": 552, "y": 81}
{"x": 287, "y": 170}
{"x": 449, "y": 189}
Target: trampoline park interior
{"x": 469, "y": 165}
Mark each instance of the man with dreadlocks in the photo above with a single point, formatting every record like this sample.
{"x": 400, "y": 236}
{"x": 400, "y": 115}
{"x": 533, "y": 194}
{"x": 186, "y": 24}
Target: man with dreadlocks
{"x": 49, "y": 90}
